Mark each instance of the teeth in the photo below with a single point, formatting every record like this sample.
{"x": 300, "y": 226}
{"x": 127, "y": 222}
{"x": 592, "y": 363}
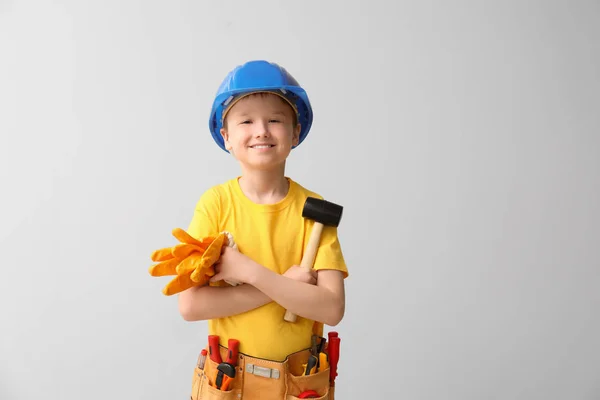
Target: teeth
{"x": 261, "y": 146}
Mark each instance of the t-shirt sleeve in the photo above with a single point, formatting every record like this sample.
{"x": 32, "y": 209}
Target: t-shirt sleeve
{"x": 205, "y": 219}
{"x": 329, "y": 254}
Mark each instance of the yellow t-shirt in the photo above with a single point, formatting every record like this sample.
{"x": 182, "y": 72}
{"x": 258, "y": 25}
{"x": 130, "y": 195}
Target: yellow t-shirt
{"x": 273, "y": 235}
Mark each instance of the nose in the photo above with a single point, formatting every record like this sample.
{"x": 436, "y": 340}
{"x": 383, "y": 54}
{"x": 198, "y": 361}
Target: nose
{"x": 261, "y": 128}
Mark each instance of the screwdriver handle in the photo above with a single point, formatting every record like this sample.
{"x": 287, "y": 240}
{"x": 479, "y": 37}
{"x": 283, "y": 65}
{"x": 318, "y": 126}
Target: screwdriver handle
{"x": 332, "y": 334}
{"x": 334, "y": 356}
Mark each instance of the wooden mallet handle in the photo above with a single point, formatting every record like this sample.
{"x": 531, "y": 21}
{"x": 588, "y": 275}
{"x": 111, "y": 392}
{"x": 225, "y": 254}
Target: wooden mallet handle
{"x": 308, "y": 259}
{"x": 323, "y": 213}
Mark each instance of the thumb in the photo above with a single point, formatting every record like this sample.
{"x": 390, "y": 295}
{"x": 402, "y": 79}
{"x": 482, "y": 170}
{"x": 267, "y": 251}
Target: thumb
{"x": 216, "y": 277}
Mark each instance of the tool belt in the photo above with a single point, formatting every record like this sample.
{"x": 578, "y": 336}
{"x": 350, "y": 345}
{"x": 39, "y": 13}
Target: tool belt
{"x": 261, "y": 379}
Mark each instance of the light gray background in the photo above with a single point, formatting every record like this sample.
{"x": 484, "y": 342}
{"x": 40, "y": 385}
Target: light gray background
{"x": 462, "y": 139}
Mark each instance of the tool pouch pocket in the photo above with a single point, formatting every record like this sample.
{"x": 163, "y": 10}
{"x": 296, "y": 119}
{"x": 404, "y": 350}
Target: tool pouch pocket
{"x": 202, "y": 384}
{"x": 296, "y": 382}
{"x": 196, "y": 383}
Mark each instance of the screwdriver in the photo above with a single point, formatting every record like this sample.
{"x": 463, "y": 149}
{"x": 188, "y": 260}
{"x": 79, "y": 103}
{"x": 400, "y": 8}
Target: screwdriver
{"x": 202, "y": 358}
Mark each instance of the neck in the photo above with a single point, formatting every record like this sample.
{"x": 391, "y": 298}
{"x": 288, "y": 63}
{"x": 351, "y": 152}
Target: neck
{"x": 264, "y": 186}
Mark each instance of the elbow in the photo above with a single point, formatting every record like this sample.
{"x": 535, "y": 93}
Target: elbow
{"x": 186, "y": 308}
{"x": 187, "y": 314}
{"x": 336, "y": 315}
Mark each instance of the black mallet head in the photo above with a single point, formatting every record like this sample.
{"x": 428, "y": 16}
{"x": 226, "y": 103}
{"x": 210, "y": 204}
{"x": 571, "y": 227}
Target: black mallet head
{"x": 322, "y": 211}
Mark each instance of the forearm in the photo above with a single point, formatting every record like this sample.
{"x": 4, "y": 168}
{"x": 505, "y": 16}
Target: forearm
{"x": 319, "y": 303}
{"x": 208, "y": 302}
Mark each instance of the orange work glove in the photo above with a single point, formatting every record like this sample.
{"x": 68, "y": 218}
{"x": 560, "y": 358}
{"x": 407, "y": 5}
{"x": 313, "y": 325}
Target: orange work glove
{"x": 191, "y": 261}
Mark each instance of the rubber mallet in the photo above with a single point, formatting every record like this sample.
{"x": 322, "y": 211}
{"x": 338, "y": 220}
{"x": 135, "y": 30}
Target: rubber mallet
{"x": 322, "y": 212}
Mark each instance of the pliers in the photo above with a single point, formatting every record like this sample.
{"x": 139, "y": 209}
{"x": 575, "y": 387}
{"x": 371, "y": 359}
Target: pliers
{"x": 226, "y": 369}
{"x": 313, "y": 359}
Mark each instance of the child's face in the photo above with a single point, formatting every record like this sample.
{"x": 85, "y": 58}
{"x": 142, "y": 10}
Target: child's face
{"x": 260, "y": 131}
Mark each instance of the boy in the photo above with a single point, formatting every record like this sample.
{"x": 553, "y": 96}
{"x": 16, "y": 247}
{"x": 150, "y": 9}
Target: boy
{"x": 259, "y": 115}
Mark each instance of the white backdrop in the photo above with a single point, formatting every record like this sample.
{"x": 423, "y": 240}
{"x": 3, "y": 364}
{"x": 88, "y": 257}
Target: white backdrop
{"x": 462, "y": 139}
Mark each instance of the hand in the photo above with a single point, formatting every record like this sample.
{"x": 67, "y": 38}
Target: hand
{"x": 298, "y": 273}
{"x": 233, "y": 266}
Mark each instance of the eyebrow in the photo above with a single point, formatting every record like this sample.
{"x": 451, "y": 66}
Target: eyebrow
{"x": 245, "y": 114}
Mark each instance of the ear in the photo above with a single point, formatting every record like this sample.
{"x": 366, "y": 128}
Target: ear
{"x": 296, "y": 135}
{"x": 225, "y": 136}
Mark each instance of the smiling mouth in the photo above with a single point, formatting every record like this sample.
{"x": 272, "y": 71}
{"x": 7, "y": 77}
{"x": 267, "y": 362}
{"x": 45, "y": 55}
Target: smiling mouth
{"x": 262, "y": 146}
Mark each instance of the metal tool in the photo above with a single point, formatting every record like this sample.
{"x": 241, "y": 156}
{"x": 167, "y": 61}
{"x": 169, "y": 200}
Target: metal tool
{"x": 226, "y": 369}
{"x": 225, "y": 375}
{"x": 323, "y": 213}
{"x": 314, "y": 346}
{"x": 311, "y": 365}
{"x": 322, "y": 344}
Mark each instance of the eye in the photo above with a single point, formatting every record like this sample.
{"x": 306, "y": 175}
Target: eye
{"x": 246, "y": 122}
{"x": 275, "y": 120}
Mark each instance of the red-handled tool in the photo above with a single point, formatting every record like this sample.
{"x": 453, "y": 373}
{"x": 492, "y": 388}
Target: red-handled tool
{"x": 233, "y": 346}
{"x": 213, "y": 348}
{"x": 334, "y": 356}
{"x": 226, "y": 370}
{"x": 308, "y": 394}
{"x": 202, "y": 359}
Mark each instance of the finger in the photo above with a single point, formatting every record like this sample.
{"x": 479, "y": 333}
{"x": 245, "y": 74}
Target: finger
{"x": 187, "y": 265}
{"x": 209, "y": 258}
{"x": 184, "y": 250}
{"x": 202, "y": 270}
{"x": 215, "y": 248}
{"x": 178, "y": 284}
{"x": 204, "y": 280}
{"x": 201, "y": 267}
{"x": 211, "y": 271}
{"x": 185, "y": 237}
{"x": 164, "y": 268}
{"x": 163, "y": 254}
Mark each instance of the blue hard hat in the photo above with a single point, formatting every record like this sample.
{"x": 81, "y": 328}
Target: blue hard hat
{"x": 259, "y": 76}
